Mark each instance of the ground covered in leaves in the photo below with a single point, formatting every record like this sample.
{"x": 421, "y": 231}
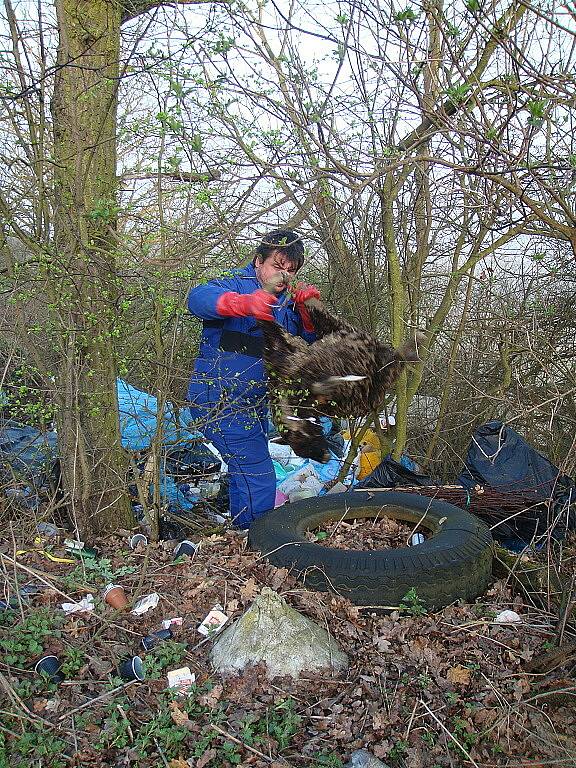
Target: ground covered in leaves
{"x": 365, "y": 533}
{"x": 423, "y": 690}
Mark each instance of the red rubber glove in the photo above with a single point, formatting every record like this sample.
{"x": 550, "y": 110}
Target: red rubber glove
{"x": 257, "y": 304}
{"x": 302, "y": 293}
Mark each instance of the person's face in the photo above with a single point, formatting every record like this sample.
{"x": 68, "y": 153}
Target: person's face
{"x": 272, "y": 265}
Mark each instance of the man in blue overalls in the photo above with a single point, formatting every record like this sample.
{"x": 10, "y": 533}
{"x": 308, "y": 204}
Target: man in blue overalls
{"x": 227, "y": 391}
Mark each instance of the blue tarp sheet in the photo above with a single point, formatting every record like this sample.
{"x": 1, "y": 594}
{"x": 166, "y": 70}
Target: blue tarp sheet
{"x": 138, "y": 413}
{"x": 27, "y": 453}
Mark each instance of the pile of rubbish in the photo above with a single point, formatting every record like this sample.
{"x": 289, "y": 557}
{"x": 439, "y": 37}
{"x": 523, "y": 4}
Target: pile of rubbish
{"x": 517, "y": 490}
{"x": 505, "y": 481}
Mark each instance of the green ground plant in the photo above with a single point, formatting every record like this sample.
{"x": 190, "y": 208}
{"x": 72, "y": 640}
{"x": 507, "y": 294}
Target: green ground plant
{"x": 36, "y": 746}
{"x": 24, "y": 640}
{"x": 95, "y": 572}
{"x": 412, "y": 605}
{"x": 167, "y": 654}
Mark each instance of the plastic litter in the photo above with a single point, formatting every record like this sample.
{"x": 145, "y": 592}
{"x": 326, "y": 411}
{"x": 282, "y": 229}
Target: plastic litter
{"x": 43, "y": 552}
{"x": 73, "y": 545}
{"x": 281, "y": 498}
{"x": 137, "y": 539}
{"x": 48, "y": 529}
{"x": 390, "y": 473}
{"x": 152, "y": 640}
{"x": 132, "y": 669}
{"x": 145, "y": 604}
{"x": 507, "y": 617}
{"x": 185, "y": 547}
{"x": 51, "y": 666}
{"x": 417, "y": 538}
{"x": 82, "y": 606}
{"x": 176, "y": 622}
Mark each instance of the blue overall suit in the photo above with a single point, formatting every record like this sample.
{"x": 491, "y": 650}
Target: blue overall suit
{"x": 227, "y": 391}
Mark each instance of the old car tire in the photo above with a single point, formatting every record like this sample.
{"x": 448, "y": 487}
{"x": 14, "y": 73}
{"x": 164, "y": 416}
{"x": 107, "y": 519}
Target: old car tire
{"x": 453, "y": 564}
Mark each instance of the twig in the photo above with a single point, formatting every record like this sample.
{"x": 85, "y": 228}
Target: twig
{"x": 158, "y": 747}
{"x": 98, "y": 698}
{"x": 222, "y": 732}
{"x": 567, "y": 611}
{"x": 409, "y": 728}
{"x": 36, "y": 575}
{"x": 32, "y": 716}
{"x": 7, "y": 730}
{"x": 451, "y": 735}
{"x": 120, "y": 709}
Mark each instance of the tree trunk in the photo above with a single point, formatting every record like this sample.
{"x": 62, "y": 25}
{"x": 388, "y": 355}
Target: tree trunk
{"x": 82, "y": 279}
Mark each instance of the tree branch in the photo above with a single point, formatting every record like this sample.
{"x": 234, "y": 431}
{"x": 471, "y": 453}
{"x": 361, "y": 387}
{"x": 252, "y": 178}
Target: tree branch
{"x": 133, "y": 8}
{"x": 435, "y": 120}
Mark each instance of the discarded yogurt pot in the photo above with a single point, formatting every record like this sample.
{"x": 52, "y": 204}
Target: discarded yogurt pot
{"x": 185, "y": 547}
{"x": 132, "y": 669}
{"x": 115, "y": 596}
{"x": 138, "y": 538}
{"x": 152, "y": 640}
{"x": 417, "y": 538}
{"x": 50, "y": 666}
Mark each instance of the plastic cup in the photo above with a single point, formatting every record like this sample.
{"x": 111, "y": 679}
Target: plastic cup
{"x": 50, "y": 665}
{"x": 152, "y": 640}
{"x": 138, "y": 538}
{"x": 185, "y": 547}
{"x": 115, "y": 596}
{"x": 132, "y": 669}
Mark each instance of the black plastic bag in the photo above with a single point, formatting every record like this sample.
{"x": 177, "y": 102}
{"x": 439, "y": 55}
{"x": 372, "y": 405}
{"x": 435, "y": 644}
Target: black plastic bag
{"x": 390, "y": 474}
{"x": 499, "y": 458}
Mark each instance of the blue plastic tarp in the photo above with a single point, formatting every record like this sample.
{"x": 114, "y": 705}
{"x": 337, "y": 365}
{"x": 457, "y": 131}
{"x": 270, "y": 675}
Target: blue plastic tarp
{"x": 138, "y": 419}
{"x": 25, "y": 452}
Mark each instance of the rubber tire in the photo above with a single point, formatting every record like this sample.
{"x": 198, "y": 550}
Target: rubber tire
{"x": 455, "y": 563}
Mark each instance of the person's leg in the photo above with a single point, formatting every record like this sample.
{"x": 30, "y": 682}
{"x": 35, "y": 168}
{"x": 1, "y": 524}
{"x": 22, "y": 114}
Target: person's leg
{"x": 242, "y": 441}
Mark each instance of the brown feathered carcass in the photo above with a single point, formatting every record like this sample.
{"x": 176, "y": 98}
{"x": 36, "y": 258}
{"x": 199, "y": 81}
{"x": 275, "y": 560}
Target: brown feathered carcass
{"x": 345, "y": 373}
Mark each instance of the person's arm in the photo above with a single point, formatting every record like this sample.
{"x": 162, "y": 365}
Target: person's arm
{"x": 217, "y": 299}
{"x": 301, "y": 294}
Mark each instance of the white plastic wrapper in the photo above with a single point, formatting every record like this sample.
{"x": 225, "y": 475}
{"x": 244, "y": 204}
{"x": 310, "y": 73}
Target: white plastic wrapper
{"x": 83, "y": 606}
{"x": 145, "y": 604}
{"x": 507, "y": 617}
